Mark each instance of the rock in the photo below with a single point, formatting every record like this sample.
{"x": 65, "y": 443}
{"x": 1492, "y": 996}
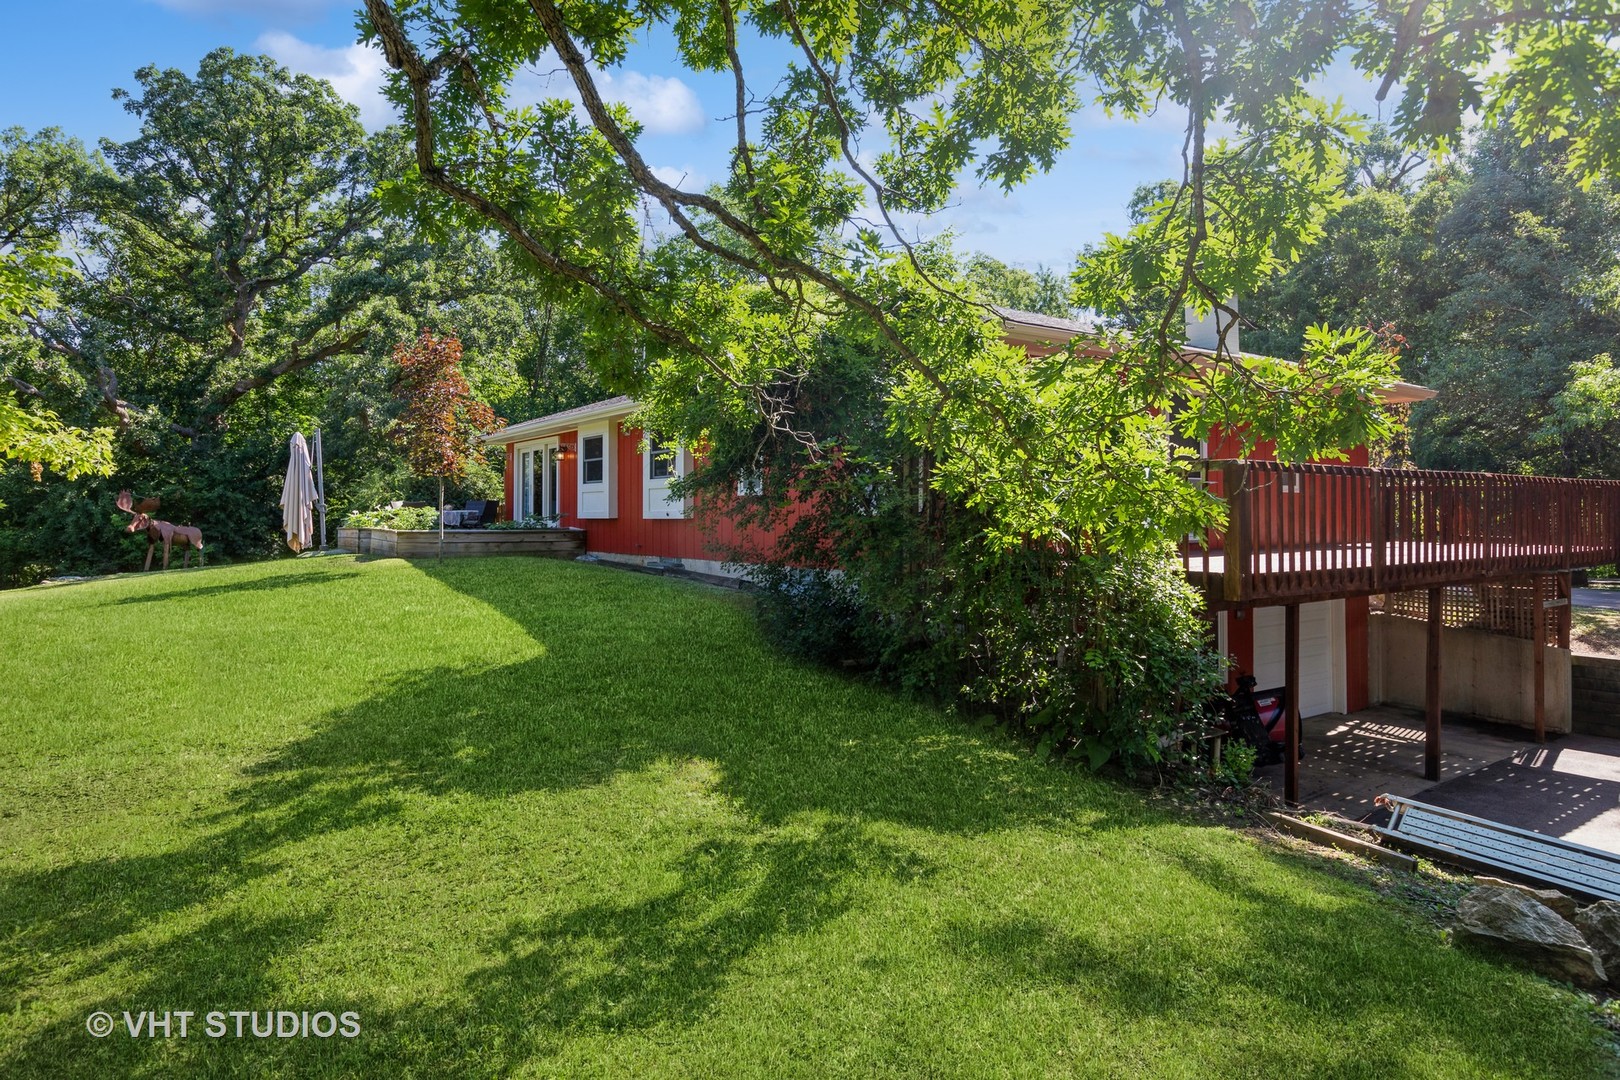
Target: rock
{"x": 1599, "y": 924}
{"x": 1564, "y": 905}
{"x": 1513, "y": 922}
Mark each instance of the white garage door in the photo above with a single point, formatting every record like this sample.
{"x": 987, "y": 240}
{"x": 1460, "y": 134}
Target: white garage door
{"x": 1321, "y": 654}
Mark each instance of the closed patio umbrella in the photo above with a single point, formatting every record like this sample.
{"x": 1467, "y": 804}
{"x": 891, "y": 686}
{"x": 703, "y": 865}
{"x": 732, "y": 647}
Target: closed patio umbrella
{"x": 298, "y": 495}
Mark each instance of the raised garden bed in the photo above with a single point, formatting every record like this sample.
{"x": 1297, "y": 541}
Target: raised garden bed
{"x": 424, "y": 543}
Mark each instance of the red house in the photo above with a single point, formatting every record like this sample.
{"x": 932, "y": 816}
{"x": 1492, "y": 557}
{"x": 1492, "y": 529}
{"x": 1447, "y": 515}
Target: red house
{"x": 1306, "y": 546}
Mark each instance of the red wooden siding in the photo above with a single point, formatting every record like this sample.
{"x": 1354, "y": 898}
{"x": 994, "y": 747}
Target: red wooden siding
{"x": 1356, "y": 610}
{"x": 692, "y": 537}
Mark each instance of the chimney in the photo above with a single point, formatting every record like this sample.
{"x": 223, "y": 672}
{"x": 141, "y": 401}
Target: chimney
{"x": 1203, "y": 333}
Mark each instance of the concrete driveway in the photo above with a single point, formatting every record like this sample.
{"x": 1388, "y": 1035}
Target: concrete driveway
{"x": 1568, "y": 788}
{"x": 1607, "y": 599}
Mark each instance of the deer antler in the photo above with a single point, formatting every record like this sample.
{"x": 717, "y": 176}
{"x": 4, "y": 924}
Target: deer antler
{"x": 148, "y": 506}
{"x": 124, "y": 500}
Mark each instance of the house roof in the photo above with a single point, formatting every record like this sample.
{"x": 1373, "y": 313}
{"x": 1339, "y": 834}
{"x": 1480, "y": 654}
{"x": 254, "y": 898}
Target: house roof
{"x": 1028, "y": 327}
{"x": 562, "y": 421}
{"x": 1034, "y": 325}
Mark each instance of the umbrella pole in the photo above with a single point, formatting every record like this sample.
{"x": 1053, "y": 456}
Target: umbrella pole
{"x": 320, "y": 485}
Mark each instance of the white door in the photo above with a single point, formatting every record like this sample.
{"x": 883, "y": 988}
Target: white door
{"x": 662, "y": 465}
{"x": 1321, "y": 654}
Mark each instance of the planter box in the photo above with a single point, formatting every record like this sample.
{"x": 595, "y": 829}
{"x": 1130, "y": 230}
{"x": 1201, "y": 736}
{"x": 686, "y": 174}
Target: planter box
{"x": 424, "y": 543}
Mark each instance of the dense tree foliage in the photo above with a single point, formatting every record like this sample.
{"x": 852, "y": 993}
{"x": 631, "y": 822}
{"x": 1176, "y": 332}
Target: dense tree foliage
{"x": 1041, "y": 290}
{"x": 224, "y": 278}
{"x": 986, "y": 90}
{"x": 40, "y": 177}
{"x": 1498, "y": 270}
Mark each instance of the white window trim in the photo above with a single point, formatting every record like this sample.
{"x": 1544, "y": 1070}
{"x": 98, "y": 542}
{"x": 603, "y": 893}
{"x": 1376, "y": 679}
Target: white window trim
{"x": 604, "y": 490}
{"x": 678, "y": 468}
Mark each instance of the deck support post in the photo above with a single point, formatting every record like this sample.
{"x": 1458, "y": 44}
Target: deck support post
{"x": 1431, "y": 696}
{"x": 1236, "y": 541}
{"x": 1291, "y": 698}
{"x": 1538, "y": 630}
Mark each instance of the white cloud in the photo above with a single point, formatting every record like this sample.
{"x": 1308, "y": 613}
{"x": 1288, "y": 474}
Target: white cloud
{"x": 685, "y": 177}
{"x": 663, "y": 105}
{"x": 356, "y": 72}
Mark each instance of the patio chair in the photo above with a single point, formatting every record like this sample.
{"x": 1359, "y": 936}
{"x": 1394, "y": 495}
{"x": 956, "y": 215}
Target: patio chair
{"x": 479, "y": 513}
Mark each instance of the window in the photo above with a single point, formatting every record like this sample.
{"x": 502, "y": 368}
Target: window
{"x": 592, "y": 459}
{"x": 525, "y": 478}
{"x": 660, "y": 460}
{"x": 664, "y": 466}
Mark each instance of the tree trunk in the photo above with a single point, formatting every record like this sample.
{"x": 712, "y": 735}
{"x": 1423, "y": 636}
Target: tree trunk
{"x": 441, "y": 519}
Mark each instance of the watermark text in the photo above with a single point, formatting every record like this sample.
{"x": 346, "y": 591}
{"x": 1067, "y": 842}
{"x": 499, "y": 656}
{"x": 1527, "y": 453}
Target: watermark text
{"x": 225, "y": 1024}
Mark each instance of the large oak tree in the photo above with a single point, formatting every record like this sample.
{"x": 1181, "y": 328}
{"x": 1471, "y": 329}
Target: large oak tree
{"x": 233, "y": 242}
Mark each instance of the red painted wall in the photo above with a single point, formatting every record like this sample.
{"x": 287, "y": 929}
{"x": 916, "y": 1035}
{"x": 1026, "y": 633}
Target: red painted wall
{"x": 694, "y": 537}
{"x": 1239, "y": 645}
{"x": 1355, "y": 653}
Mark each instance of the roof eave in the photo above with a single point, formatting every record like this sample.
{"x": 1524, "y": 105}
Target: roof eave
{"x": 550, "y": 425}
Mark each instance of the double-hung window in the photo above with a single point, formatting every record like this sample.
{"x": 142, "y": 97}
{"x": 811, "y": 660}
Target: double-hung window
{"x": 593, "y": 459}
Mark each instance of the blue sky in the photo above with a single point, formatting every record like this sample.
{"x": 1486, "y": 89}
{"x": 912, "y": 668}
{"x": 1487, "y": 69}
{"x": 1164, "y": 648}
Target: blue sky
{"x": 65, "y": 60}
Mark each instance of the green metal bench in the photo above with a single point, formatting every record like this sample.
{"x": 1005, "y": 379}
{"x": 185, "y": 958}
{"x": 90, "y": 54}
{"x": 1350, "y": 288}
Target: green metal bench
{"x": 1481, "y": 844}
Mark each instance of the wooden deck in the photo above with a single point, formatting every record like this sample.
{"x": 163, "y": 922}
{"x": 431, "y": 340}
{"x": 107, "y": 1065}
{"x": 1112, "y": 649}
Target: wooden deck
{"x": 1300, "y": 533}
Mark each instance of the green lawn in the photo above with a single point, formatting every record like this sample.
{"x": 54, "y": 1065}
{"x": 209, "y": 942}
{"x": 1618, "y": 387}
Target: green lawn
{"x": 535, "y": 818}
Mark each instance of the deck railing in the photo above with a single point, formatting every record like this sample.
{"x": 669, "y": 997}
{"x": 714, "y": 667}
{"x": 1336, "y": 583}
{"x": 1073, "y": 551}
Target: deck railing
{"x": 1301, "y": 532}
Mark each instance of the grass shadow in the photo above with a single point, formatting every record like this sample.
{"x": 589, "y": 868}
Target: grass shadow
{"x": 263, "y": 584}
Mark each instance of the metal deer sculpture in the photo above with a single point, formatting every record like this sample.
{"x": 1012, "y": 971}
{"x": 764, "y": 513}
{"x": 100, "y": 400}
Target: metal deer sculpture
{"x": 140, "y": 519}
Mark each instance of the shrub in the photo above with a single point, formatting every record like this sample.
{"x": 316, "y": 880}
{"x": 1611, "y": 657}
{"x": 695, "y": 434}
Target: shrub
{"x": 1099, "y": 655}
{"x": 398, "y": 517}
{"x": 816, "y": 615}
{"x": 1237, "y": 762}
{"x": 533, "y": 521}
